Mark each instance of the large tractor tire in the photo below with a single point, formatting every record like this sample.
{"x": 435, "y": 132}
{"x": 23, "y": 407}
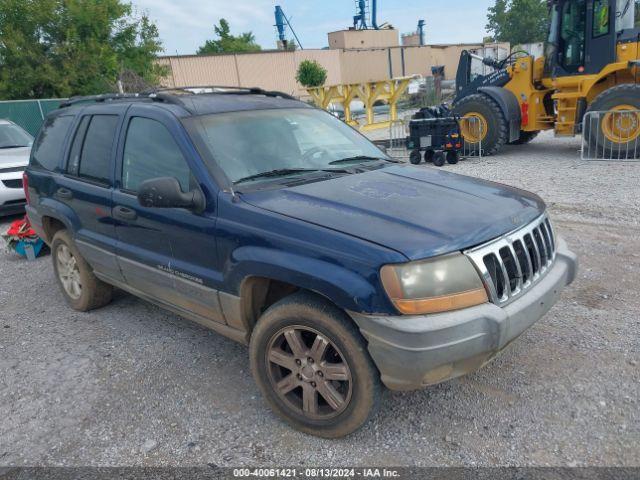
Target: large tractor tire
{"x": 486, "y": 128}
{"x": 525, "y": 137}
{"x": 615, "y": 132}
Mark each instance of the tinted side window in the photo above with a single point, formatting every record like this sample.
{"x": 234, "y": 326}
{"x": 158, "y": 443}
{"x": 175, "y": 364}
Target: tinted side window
{"x": 47, "y": 148}
{"x": 151, "y": 152}
{"x": 95, "y": 159}
{"x": 600, "y": 18}
{"x": 76, "y": 146}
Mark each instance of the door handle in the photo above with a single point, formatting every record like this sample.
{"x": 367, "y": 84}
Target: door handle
{"x": 64, "y": 193}
{"x": 125, "y": 213}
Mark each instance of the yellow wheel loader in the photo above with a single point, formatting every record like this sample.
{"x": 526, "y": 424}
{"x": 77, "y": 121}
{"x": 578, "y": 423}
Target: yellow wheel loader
{"x": 591, "y": 64}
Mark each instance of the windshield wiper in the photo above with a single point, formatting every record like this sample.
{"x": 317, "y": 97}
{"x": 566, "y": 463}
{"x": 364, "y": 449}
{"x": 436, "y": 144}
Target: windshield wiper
{"x": 361, "y": 158}
{"x": 13, "y": 146}
{"x": 280, "y": 172}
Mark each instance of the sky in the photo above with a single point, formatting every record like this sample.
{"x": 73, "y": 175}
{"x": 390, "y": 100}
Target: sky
{"x": 185, "y": 25}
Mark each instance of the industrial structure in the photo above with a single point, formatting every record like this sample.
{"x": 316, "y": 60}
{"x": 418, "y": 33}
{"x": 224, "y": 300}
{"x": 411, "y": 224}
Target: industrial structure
{"x": 282, "y": 22}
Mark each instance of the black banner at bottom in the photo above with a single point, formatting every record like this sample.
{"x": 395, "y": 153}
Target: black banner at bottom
{"x": 214, "y": 473}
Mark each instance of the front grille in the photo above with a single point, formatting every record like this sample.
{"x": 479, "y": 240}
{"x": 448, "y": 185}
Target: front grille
{"x": 17, "y": 183}
{"x": 515, "y": 262}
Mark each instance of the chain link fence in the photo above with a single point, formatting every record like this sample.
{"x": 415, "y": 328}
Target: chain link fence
{"x": 29, "y": 114}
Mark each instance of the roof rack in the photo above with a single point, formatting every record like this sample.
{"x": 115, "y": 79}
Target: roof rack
{"x": 104, "y": 97}
{"x": 173, "y": 94}
{"x": 220, "y": 90}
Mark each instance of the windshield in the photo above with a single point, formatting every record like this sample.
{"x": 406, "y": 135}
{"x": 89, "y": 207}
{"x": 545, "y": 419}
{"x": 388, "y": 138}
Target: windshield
{"x": 250, "y": 143}
{"x": 12, "y": 136}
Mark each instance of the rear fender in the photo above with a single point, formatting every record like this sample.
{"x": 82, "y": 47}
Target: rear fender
{"x": 52, "y": 208}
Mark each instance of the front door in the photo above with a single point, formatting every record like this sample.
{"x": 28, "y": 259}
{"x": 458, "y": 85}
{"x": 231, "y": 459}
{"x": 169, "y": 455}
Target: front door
{"x": 168, "y": 254}
{"x": 601, "y": 35}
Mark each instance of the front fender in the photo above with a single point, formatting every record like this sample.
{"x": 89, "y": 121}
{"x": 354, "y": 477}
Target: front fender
{"x": 510, "y": 107}
{"x": 347, "y": 289}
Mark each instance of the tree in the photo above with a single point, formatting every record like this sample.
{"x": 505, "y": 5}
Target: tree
{"x": 227, "y": 43}
{"x": 518, "y": 21}
{"x": 311, "y": 74}
{"x": 60, "y": 48}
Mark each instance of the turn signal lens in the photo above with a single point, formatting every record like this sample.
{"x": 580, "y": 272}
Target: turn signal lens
{"x": 433, "y": 286}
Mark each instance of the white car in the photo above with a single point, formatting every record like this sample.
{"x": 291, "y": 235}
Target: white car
{"x": 15, "y": 148}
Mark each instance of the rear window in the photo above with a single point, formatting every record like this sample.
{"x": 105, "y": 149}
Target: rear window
{"x": 95, "y": 159}
{"x": 47, "y": 149}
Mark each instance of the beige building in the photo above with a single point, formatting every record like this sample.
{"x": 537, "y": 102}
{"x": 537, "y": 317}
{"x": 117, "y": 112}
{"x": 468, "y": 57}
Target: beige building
{"x": 276, "y": 70}
{"x": 350, "y": 39}
{"x": 411, "y": 39}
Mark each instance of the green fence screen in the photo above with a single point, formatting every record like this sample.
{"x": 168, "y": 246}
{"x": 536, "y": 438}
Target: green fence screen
{"x": 29, "y": 114}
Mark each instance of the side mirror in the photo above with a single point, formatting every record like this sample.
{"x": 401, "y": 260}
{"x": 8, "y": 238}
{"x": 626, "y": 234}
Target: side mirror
{"x": 165, "y": 192}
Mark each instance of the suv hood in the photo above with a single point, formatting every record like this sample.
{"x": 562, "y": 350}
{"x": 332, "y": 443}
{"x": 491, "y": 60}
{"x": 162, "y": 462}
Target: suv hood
{"x": 419, "y": 212}
{"x": 14, "y": 157}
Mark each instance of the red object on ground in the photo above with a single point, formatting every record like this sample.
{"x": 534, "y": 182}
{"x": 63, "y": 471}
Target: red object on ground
{"x": 21, "y": 229}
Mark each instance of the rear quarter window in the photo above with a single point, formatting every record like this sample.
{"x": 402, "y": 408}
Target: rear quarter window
{"x": 47, "y": 149}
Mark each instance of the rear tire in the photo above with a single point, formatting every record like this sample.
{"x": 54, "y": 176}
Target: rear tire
{"x": 279, "y": 359}
{"x": 496, "y": 125}
{"x": 82, "y": 290}
{"x": 525, "y": 137}
{"x": 414, "y": 157}
{"x": 452, "y": 157}
{"x": 602, "y": 140}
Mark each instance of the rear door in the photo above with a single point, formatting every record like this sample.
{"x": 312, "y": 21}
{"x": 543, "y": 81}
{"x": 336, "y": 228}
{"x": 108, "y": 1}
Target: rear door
{"x": 169, "y": 253}
{"x": 86, "y": 186}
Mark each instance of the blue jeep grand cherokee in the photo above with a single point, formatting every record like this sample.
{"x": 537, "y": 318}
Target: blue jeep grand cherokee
{"x": 279, "y": 226}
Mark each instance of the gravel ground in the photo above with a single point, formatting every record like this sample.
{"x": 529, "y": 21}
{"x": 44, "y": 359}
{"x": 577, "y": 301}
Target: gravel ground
{"x": 131, "y": 384}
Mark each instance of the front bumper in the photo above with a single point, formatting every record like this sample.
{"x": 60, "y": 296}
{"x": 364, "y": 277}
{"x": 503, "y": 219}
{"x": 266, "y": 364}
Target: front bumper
{"x": 412, "y": 352}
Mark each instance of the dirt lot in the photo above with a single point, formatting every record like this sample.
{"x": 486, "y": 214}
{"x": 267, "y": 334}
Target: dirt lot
{"x": 131, "y": 384}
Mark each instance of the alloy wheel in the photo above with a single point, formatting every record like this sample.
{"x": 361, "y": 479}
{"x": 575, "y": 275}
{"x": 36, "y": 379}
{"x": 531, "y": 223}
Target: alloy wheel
{"x": 308, "y": 372}
{"x": 68, "y": 272}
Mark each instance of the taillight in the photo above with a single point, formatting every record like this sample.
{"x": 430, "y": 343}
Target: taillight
{"x": 25, "y": 186}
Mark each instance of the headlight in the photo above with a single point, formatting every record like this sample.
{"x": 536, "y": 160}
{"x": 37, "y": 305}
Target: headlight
{"x": 435, "y": 285}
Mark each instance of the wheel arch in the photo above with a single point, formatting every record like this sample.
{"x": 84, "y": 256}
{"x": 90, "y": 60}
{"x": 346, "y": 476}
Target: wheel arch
{"x": 272, "y": 275}
{"x": 51, "y": 225}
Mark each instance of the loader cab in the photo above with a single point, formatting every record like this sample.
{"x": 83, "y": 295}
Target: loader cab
{"x": 583, "y": 35}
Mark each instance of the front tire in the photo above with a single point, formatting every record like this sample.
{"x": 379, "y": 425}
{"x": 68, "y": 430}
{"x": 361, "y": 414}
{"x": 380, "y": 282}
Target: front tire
{"x": 452, "y": 157}
{"x": 80, "y": 287}
{"x": 312, "y": 366}
{"x": 483, "y": 125}
{"x": 615, "y": 135}
{"x": 439, "y": 158}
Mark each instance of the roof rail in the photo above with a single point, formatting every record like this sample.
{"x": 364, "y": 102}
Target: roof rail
{"x": 97, "y": 98}
{"x": 219, "y": 89}
{"x": 173, "y": 94}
